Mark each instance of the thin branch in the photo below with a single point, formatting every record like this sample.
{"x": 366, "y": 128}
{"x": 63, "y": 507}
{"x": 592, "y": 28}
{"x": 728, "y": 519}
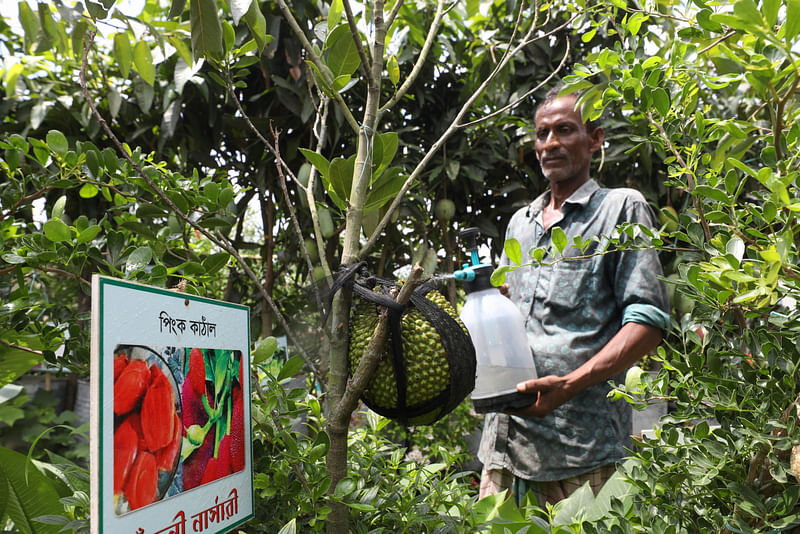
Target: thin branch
{"x": 293, "y": 215}
{"x": 393, "y": 14}
{"x": 423, "y": 56}
{"x": 28, "y": 198}
{"x": 725, "y": 37}
{"x": 287, "y": 13}
{"x": 164, "y": 198}
{"x": 20, "y": 347}
{"x": 526, "y": 95}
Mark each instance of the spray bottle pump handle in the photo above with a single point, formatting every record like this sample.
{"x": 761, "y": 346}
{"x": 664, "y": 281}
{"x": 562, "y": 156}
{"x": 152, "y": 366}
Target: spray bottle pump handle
{"x": 470, "y": 237}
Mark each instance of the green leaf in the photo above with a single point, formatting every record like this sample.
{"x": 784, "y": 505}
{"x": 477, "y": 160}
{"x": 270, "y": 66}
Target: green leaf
{"x": 30, "y": 494}
{"x": 206, "y": 30}
{"x": 394, "y": 70}
{"x": 341, "y": 176}
{"x": 215, "y": 262}
{"x": 343, "y": 58}
{"x": 498, "y": 277}
{"x": 228, "y": 35}
{"x": 335, "y": 13}
{"x": 317, "y": 160}
{"x": 388, "y": 143}
{"x": 57, "y": 142}
{"x": 345, "y": 487}
{"x": 770, "y": 9}
{"x": 143, "y": 62}
{"x": 57, "y": 231}
{"x": 705, "y": 22}
{"x": 58, "y": 207}
{"x": 11, "y": 76}
{"x": 266, "y": 349}
{"x": 747, "y": 11}
{"x": 513, "y": 250}
{"x": 661, "y": 101}
{"x": 290, "y": 527}
{"x": 88, "y": 234}
{"x": 792, "y": 25}
{"x": 30, "y": 24}
{"x": 176, "y": 8}
{"x": 15, "y": 362}
{"x": 88, "y": 191}
{"x": 123, "y": 53}
{"x": 138, "y": 259}
{"x": 385, "y": 189}
{"x": 633, "y": 378}
{"x": 292, "y": 366}
{"x": 712, "y": 193}
{"x": 559, "y": 238}
{"x": 258, "y": 26}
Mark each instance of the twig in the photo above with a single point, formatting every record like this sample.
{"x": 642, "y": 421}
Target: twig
{"x": 20, "y": 347}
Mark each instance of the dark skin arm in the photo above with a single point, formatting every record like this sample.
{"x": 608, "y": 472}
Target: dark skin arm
{"x": 633, "y": 341}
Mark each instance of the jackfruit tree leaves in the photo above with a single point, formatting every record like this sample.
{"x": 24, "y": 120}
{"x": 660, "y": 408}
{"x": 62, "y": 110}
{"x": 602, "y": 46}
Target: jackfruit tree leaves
{"x": 206, "y": 30}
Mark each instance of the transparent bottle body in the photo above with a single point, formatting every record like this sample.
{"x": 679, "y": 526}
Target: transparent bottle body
{"x": 501, "y": 345}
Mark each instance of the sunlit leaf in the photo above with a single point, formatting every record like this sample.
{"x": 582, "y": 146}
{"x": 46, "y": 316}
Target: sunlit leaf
{"x": 513, "y": 250}
{"x": 342, "y": 58}
{"x": 57, "y": 231}
{"x": 57, "y": 142}
{"x": 143, "y": 62}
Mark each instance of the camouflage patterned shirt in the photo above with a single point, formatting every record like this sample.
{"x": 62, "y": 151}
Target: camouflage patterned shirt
{"x": 573, "y": 307}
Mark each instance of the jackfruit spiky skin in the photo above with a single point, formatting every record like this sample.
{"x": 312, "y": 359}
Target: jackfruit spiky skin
{"x": 427, "y": 367}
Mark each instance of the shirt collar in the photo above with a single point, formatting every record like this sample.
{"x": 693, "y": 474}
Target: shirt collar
{"x": 580, "y": 197}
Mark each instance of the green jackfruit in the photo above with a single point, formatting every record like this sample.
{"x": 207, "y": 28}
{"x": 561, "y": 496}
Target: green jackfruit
{"x": 426, "y": 362}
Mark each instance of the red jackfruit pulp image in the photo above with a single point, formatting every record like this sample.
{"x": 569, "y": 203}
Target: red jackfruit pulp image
{"x": 130, "y": 386}
{"x": 158, "y": 409}
{"x": 166, "y": 457}
{"x": 148, "y": 431}
{"x": 126, "y": 446}
{"x": 197, "y": 372}
{"x": 142, "y": 484}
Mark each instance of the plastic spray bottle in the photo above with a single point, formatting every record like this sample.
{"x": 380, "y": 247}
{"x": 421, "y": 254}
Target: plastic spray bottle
{"x": 498, "y": 333}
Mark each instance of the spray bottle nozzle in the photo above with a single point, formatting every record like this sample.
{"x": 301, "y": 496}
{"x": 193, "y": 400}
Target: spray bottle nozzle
{"x": 470, "y": 237}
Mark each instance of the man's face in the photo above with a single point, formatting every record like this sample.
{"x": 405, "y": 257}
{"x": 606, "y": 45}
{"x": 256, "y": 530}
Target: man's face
{"x": 563, "y": 145}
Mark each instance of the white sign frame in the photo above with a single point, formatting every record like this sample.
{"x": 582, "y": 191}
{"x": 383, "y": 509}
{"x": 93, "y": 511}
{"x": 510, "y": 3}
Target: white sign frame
{"x": 128, "y": 313}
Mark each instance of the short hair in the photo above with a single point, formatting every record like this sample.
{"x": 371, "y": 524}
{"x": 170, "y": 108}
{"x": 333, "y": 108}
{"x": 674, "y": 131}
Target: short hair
{"x": 554, "y": 93}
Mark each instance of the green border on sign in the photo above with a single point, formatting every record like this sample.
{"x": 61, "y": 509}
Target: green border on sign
{"x": 103, "y": 281}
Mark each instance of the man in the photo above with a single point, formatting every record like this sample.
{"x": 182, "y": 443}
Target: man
{"x": 590, "y": 314}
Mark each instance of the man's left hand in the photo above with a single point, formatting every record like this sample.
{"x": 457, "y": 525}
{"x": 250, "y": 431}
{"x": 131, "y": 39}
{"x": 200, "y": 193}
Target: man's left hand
{"x": 547, "y": 394}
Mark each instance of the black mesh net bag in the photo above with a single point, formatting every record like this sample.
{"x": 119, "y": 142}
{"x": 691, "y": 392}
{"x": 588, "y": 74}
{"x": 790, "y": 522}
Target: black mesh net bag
{"x": 428, "y": 365}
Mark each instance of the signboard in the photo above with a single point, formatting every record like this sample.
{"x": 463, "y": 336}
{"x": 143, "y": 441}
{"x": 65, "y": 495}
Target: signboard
{"x": 170, "y": 411}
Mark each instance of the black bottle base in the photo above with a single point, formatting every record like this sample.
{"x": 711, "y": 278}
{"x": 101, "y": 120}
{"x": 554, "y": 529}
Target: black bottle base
{"x": 501, "y": 403}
